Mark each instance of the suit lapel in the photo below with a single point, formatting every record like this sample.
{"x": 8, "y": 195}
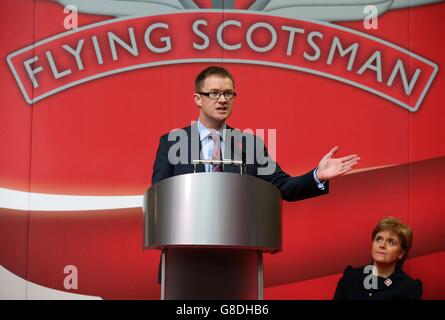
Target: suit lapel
{"x": 195, "y": 147}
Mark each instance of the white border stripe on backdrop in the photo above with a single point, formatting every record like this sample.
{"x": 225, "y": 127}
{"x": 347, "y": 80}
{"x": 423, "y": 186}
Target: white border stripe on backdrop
{"x": 20, "y": 200}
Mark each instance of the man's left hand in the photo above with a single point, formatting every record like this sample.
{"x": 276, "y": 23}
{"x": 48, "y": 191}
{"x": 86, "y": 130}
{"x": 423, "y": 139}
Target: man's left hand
{"x": 330, "y": 167}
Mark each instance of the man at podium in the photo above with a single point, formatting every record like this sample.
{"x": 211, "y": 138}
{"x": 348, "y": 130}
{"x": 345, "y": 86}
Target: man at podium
{"x": 207, "y": 139}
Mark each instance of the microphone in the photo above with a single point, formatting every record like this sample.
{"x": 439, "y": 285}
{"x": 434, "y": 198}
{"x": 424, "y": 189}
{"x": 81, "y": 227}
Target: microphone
{"x": 239, "y": 163}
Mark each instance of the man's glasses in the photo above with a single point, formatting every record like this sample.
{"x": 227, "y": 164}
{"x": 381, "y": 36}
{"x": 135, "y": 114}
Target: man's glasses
{"x": 216, "y": 94}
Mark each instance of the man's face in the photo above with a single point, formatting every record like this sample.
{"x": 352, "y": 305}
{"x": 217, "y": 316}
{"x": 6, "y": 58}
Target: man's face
{"x": 214, "y": 112}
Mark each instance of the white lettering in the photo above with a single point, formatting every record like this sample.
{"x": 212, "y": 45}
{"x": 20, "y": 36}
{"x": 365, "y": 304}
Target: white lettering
{"x": 70, "y": 21}
{"x": 32, "y": 72}
{"x": 371, "y": 20}
{"x": 113, "y": 39}
{"x": 52, "y": 64}
{"x": 292, "y": 32}
{"x": 336, "y": 44}
{"x": 71, "y": 280}
{"x": 399, "y": 68}
{"x": 314, "y": 46}
{"x": 166, "y": 40}
{"x": 200, "y": 34}
{"x": 76, "y": 53}
{"x": 377, "y": 67}
{"x": 100, "y": 60}
{"x": 273, "y": 39}
{"x": 219, "y": 35}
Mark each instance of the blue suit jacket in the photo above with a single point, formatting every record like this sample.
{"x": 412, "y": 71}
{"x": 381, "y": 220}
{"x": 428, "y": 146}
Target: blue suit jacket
{"x": 292, "y": 188}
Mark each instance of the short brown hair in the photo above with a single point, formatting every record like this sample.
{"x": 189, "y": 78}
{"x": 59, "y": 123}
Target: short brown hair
{"x": 211, "y": 71}
{"x": 403, "y": 231}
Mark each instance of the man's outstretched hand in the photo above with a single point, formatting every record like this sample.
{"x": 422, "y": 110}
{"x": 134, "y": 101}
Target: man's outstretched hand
{"x": 330, "y": 167}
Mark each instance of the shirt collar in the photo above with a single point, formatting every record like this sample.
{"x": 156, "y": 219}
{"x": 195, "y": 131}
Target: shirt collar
{"x": 204, "y": 132}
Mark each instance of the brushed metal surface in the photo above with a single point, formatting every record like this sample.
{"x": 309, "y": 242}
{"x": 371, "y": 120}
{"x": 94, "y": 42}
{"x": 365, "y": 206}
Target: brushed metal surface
{"x": 213, "y": 209}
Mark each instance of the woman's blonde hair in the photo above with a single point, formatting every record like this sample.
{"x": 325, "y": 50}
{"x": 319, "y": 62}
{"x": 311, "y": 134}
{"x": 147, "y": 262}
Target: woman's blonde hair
{"x": 403, "y": 231}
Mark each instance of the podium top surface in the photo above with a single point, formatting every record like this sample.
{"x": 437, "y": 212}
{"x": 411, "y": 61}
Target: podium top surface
{"x": 213, "y": 209}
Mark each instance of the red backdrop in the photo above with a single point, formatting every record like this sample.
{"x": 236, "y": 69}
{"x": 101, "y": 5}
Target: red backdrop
{"x": 99, "y": 138}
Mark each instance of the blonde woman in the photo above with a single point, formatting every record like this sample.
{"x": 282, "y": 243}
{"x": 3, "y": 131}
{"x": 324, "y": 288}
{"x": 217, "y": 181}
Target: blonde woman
{"x": 384, "y": 279}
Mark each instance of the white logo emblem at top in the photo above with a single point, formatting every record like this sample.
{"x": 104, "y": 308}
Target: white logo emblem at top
{"x": 335, "y": 10}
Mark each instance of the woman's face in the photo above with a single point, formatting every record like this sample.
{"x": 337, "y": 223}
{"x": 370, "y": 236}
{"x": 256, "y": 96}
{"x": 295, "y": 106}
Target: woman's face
{"x": 386, "y": 248}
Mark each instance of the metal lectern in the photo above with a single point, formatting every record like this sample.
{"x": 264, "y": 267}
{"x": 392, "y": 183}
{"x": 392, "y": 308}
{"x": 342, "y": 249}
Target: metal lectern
{"x": 212, "y": 229}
